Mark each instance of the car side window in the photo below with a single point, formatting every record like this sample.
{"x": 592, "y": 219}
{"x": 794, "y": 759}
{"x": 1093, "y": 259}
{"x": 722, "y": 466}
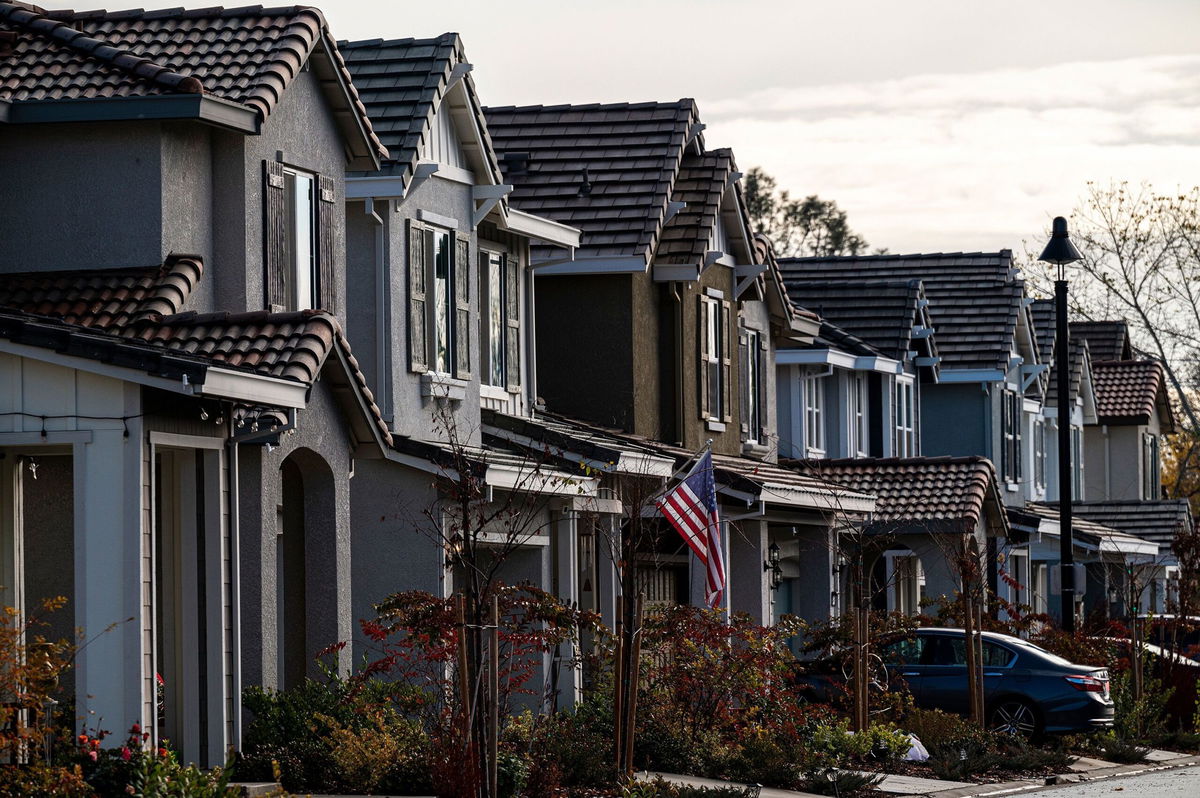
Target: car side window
{"x": 903, "y": 652}
{"x": 996, "y": 656}
{"x": 947, "y": 651}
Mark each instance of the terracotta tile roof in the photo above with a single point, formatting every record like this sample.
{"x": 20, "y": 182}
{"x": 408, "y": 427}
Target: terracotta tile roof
{"x": 608, "y": 170}
{"x": 108, "y": 299}
{"x": 929, "y": 493}
{"x": 975, "y": 298}
{"x": 1157, "y": 521}
{"x": 1130, "y": 391}
{"x": 880, "y": 313}
{"x": 246, "y": 55}
{"x": 137, "y": 309}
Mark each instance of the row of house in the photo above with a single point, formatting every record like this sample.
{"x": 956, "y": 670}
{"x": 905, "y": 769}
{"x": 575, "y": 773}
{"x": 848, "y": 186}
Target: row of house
{"x": 265, "y": 294}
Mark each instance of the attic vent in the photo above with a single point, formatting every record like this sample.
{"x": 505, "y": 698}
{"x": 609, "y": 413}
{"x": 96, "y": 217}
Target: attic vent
{"x": 585, "y": 187}
{"x": 515, "y": 163}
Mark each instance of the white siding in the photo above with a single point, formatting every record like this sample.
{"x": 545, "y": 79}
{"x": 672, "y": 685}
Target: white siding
{"x": 444, "y": 145}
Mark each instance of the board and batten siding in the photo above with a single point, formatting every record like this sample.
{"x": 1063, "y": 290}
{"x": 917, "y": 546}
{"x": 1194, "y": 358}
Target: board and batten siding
{"x": 443, "y": 145}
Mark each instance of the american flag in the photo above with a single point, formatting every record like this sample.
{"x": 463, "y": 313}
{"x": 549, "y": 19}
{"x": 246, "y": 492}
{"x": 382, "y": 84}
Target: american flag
{"x": 692, "y": 509}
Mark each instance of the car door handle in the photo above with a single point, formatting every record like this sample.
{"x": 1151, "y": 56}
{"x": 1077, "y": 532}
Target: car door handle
{"x": 910, "y": 673}
{"x": 993, "y": 674}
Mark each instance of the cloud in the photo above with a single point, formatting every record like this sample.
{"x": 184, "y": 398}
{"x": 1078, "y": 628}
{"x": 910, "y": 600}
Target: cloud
{"x": 971, "y": 161}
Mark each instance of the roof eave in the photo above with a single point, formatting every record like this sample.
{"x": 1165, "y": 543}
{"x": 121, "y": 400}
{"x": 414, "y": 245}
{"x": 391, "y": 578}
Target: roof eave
{"x": 200, "y": 107}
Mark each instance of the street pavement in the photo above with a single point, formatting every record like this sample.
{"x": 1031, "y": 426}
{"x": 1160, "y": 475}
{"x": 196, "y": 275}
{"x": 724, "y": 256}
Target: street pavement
{"x": 1180, "y": 783}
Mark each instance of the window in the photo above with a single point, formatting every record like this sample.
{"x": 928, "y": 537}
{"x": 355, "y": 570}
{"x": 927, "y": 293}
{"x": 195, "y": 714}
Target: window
{"x": 501, "y": 320}
{"x": 906, "y": 651}
{"x": 1039, "y": 453}
{"x": 299, "y": 236}
{"x": 1077, "y": 464}
{"x": 906, "y": 437}
{"x": 1011, "y": 417}
{"x": 715, "y": 359}
{"x": 1151, "y": 477}
{"x": 859, "y": 434}
{"x": 814, "y": 415}
{"x": 439, "y": 301}
{"x": 753, "y": 386}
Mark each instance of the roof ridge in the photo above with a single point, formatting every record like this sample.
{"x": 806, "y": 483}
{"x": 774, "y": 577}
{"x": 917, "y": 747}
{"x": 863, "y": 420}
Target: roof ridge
{"x": 447, "y": 38}
{"x": 956, "y": 459}
{"x": 225, "y": 316}
{"x": 118, "y": 58}
{"x": 896, "y": 256}
{"x": 682, "y": 103}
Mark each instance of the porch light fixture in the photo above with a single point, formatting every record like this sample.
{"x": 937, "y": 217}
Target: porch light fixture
{"x": 773, "y": 567}
{"x": 1061, "y": 252}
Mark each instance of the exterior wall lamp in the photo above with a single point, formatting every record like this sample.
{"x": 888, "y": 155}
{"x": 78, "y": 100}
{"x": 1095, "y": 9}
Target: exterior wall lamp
{"x": 773, "y": 567}
{"x": 1061, "y": 252}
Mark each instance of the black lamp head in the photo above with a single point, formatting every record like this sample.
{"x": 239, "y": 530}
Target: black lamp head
{"x": 1059, "y": 249}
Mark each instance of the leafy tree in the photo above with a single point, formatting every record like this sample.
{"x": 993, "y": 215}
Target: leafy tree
{"x": 798, "y": 227}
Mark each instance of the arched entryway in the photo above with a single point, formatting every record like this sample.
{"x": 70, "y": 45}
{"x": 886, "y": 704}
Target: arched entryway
{"x": 305, "y": 566}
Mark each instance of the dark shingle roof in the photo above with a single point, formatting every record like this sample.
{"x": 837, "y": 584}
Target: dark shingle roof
{"x": 246, "y": 55}
{"x": 700, "y": 186}
{"x": 608, "y": 170}
{"x": 882, "y": 314}
{"x": 402, "y": 82}
{"x": 1080, "y": 362}
{"x": 1157, "y": 521}
{"x": 1043, "y": 313}
{"x": 1089, "y": 530}
{"x": 832, "y": 336}
{"x": 1130, "y": 391}
{"x": 975, "y": 298}
{"x": 1107, "y": 340}
{"x": 932, "y": 493}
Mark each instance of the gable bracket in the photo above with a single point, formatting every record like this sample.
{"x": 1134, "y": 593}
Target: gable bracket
{"x": 423, "y": 172}
{"x": 745, "y": 274}
{"x": 920, "y": 331}
{"x": 694, "y": 131}
{"x": 672, "y": 209}
{"x": 490, "y": 196}
{"x": 733, "y": 178}
{"x": 459, "y": 72}
{"x": 1030, "y": 373}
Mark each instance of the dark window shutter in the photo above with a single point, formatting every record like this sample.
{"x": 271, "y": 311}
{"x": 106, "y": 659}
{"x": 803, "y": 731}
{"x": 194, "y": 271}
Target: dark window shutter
{"x": 702, "y": 365}
{"x": 744, "y": 375}
{"x": 418, "y": 337}
{"x": 462, "y": 306}
{"x": 327, "y": 206}
{"x": 764, "y": 364}
{"x": 726, "y": 334}
{"x": 275, "y": 240}
{"x": 512, "y": 323}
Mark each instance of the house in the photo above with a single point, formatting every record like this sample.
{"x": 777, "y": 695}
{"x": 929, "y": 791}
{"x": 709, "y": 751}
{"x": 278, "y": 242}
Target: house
{"x": 439, "y": 262}
{"x": 664, "y": 322}
{"x": 182, "y": 412}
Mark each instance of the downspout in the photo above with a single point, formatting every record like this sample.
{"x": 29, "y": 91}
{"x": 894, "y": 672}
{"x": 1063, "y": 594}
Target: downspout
{"x": 383, "y": 305}
{"x": 235, "y": 576}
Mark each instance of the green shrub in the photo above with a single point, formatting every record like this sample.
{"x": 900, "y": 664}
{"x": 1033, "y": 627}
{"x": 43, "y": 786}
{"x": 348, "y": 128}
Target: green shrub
{"x": 1139, "y": 719}
{"x": 38, "y": 779}
{"x": 661, "y": 788}
{"x": 841, "y": 782}
{"x": 1115, "y": 749}
{"x": 935, "y": 728}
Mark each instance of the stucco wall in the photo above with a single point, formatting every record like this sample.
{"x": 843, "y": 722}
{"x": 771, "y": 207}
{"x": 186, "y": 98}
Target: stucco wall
{"x": 80, "y": 196}
{"x": 955, "y": 419}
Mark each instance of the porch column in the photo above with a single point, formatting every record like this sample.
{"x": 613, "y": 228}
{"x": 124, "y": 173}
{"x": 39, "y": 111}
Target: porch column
{"x": 566, "y": 572}
{"x": 608, "y": 578}
{"x": 114, "y": 675}
{"x": 750, "y": 593}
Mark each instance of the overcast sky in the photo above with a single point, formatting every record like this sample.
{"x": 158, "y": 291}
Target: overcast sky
{"x": 937, "y": 124}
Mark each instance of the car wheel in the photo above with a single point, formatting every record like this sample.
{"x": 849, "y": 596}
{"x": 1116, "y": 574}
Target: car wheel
{"x": 1014, "y": 716}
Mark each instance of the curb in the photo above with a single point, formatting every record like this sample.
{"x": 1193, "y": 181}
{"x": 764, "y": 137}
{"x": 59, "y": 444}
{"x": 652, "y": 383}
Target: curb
{"x": 1061, "y": 780}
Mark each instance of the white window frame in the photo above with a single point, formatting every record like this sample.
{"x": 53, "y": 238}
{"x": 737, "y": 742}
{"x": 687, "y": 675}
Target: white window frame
{"x": 441, "y": 308}
{"x": 905, "y": 412}
{"x": 302, "y": 277}
{"x": 1040, "y": 460}
{"x": 814, "y": 414}
{"x": 1151, "y": 467}
{"x": 860, "y": 435}
{"x": 494, "y": 326}
{"x": 1076, "y": 463}
{"x": 715, "y": 351}
{"x": 754, "y": 378}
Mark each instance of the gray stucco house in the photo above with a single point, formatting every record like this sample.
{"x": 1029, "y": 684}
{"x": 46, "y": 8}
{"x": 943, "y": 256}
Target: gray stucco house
{"x": 181, "y": 412}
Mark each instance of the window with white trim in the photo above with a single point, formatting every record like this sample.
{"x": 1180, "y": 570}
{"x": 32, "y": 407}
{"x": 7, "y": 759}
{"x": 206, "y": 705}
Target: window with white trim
{"x": 1077, "y": 464}
{"x": 1039, "y": 453}
{"x": 300, "y": 288}
{"x": 859, "y": 415}
{"x": 500, "y": 327}
{"x": 1011, "y": 407}
{"x": 906, "y": 427}
{"x": 814, "y": 415}
{"x": 439, "y": 300}
{"x": 715, "y": 359}
{"x": 752, "y": 364}
{"x": 1151, "y": 476}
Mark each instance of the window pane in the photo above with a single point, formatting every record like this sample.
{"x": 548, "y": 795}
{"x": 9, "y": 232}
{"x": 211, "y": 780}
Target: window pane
{"x": 995, "y": 656}
{"x": 300, "y": 224}
{"x": 495, "y": 319}
{"x": 904, "y": 652}
{"x": 442, "y": 296}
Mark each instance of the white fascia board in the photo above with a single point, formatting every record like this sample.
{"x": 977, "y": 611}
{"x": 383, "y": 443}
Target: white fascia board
{"x": 630, "y": 265}
{"x": 814, "y": 357}
{"x": 96, "y": 367}
{"x": 815, "y": 498}
{"x": 645, "y": 465}
{"x": 554, "y": 483}
{"x": 1115, "y": 544}
{"x": 419, "y": 463}
{"x": 543, "y": 229}
{"x": 971, "y": 375}
{"x": 1030, "y": 405}
{"x": 675, "y": 272}
{"x": 883, "y": 365}
{"x": 228, "y": 384}
{"x": 384, "y": 187}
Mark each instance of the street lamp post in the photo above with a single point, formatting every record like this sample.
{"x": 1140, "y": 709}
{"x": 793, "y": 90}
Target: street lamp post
{"x": 1060, "y": 251}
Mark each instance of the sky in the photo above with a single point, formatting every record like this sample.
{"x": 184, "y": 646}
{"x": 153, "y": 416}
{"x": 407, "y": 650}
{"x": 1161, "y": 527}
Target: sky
{"x": 937, "y": 125}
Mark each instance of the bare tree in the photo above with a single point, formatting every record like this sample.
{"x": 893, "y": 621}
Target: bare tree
{"x": 1141, "y": 263}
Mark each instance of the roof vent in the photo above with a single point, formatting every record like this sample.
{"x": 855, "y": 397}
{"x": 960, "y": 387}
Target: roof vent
{"x": 515, "y": 163}
{"x": 585, "y": 188}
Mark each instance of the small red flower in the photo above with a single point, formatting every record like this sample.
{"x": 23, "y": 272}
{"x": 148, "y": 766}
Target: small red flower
{"x": 93, "y": 755}
{"x": 135, "y": 728}
{"x": 125, "y": 754}
{"x": 162, "y": 752}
